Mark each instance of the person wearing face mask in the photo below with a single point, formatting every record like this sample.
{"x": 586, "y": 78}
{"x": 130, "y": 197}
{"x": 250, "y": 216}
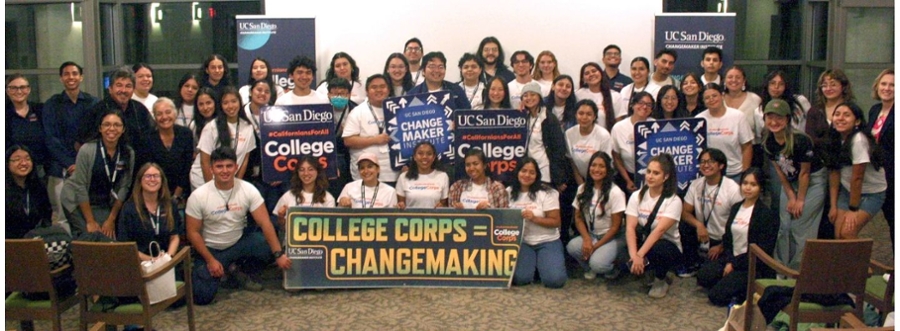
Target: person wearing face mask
{"x": 143, "y": 75}
{"x": 339, "y": 95}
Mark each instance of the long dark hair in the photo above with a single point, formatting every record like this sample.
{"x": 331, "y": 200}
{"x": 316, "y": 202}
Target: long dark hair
{"x": 680, "y": 111}
{"x": 477, "y": 152}
{"x": 354, "y": 70}
{"x": 407, "y": 83}
{"x": 164, "y": 197}
{"x": 637, "y": 98}
{"x": 841, "y": 149}
{"x": 413, "y": 172}
{"x": 179, "y": 101}
{"x": 321, "y": 184}
{"x": 787, "y": 96}
{"x": 273, "y": 92}
{"x": 587, "y": 194}
{"x": 670, "y": 186}
{"x": 226, "y": 76}
{"x": 534, "y": 188}
{"x": 199, "y": 120}
{"x": 486, "y": 95}
{"x": 609, "y": 113}
{"x": 222, "y": 119}
{"x": 570, "y": 107}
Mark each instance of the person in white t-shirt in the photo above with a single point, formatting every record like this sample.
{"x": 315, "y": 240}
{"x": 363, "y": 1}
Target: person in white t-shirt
{"x": 216, "y": 219}
{"x": 623, "y": 140}
{"x": 728, "y": 131}
{"x": 302, "y": 70}
{"x": 397, "y": 69}
{"x": 595, "y": 86}
{"x": 522, "y": 63}
{"x": 496, "y": 95}
{"x": 309, "y": 188}
{"x": 365, "y": 130}
{"x": 561, "y": 102}
{"x": 143, "y": 78}
{"x": 232, "y": 128}
{"x": 368, "y": 191}
{"x": 599, "y": 212}
{"x": 586, "y": 139}
{"x": 857, "y": 185}
{"x": 707, "y": 202}
{"x": 479, "y": 191}
{"x": 664, "y": 61}
{"x": 654, "y": 243}
{"x": 424, "y": 185}
{"x": 413, "y": 52}
{"x": 261, "y": 70}
{"x": 640, "y": 72}
{"x": 546, "y": 71}
{"x": 344, "y": 66}
{"x": 541, "y": 248}
{"x": 470, "y": 67}
{"x": 188, "y": 87}
{"x": 545, "y": 140}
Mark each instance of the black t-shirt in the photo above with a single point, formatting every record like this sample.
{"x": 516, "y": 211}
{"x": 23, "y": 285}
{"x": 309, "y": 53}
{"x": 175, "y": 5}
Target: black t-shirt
{"x": 131, "y": 228}
{"x": 790, "y": 165}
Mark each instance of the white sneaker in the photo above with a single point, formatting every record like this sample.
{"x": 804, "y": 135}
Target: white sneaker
{"x": 590, "y": 274}
{"x": 659, "y": 288}
{"x": 612, "y": 274}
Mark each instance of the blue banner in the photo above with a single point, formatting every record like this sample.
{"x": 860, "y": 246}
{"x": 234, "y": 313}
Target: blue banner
{"x": 417, "y": 117}
{"x": 689, "y": 34}
{"x": 278, "y": 40}
{"x": 346, "y": 248}
{"x": 501, "y": 134}
{"x": 683, "y": 138}
{"x": 291, "y": 131}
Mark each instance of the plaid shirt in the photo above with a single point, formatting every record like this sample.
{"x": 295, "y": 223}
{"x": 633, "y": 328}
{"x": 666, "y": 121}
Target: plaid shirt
{"x": 498, "y": 197}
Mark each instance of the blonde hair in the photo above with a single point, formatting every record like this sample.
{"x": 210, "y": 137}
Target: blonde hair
{"x": 878, "y": 80}
{"x": 537, "y": 74}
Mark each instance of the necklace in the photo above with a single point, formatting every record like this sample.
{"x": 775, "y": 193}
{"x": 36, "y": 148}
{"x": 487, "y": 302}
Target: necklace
{"x": 227, "y": 201}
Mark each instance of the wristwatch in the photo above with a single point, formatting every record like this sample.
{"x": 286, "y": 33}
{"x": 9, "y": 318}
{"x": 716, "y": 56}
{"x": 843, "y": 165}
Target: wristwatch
{"x": 278, "y": 254}
{"x": 853, "y": 208}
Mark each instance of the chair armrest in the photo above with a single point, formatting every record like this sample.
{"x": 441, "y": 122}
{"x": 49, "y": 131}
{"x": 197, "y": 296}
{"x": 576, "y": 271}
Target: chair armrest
{"x": 756, "y": 251}
{"x": 59, "y": 271}
{"x": 850, "y": 321}
{"x": 180, "y": 256}
{"x": 876, "y": 267}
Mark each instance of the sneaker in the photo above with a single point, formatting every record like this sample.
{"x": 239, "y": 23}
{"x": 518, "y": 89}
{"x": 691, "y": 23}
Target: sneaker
{"x": 612, "y": 274}
{"x": 247, "y": 282}
{"x": 659, "y": 288}
{"x": 686, "y": 271}
{"x": 590, "y": 274}
{"x": 648, "y": 278}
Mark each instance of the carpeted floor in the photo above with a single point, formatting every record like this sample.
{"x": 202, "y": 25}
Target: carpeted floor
{"x": 582, "y": 305}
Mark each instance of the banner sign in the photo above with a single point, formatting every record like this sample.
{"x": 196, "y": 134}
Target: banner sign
{"x": 411, "y": 119}
{"x": 291, "y": 131}
{"x": 501, "y": 134}
{"x": 347, "y": 248}
{"x": 683, "y": 138}
{"x": 689, "y": 34}
{"x": 278, "y": 40}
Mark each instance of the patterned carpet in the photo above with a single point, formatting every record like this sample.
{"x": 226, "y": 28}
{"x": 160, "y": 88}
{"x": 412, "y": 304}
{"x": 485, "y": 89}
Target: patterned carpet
{"x": 581, "y": 305}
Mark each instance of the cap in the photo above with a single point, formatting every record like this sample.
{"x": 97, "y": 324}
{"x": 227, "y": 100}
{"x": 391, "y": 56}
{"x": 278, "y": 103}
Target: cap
{"x": 368, "y": 156}
{"x": 531, "y": 87}
{"x": 778, "y": 107}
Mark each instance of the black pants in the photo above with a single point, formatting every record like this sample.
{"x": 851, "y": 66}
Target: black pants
{"x": 664, "y": 256}
{"x": 690, "y": 243}
{"x": 722, "y": 289}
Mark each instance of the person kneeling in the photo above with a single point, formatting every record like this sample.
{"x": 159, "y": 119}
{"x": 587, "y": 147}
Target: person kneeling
{"x": 216, "y": 216}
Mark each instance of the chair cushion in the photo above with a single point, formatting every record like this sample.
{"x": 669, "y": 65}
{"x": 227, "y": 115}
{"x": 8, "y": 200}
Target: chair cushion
{"x": 110, "y": 305}
{"x": 17, "y": 300}
{"x": 766, "y": 282}
{"x": 876, "y": 286}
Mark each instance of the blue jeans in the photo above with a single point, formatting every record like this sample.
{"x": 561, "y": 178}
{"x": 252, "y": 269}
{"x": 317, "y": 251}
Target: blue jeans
{"x": 252, "y": 245}
{"x": 547, "y": 258}
{"x": 793, "y": 233}
{"x": 602, "y": 260}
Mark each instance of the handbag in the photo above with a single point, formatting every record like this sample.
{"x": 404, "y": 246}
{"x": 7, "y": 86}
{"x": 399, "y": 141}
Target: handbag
{"x": 163, "y": 287}
{"x": 736, "y": 318}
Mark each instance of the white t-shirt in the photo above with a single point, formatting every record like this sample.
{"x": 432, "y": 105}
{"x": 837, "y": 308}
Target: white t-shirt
{"x": 728, "y": 133}
{"x": 223, "y": 227}
{"x": 546, "y": 86}
{"x": 425, "y": 191}
{"x": 749, "y": 107}
{"x": 700, "y": 195}
{"x": 536, "y": 148}
{"x": 245, "y": 93}
{"x": 209, "y": 142}
{"x": 740, "y": 230}
{"x": 619, "y": 109}
{"x": 515, "y": 92}
{"x": 615, "y": 204}
{"x": 291, "y": 98}
{"x": 544, "y": 201}
{"x": 290, "y": 200}
{"x": 718, "y": 80}
{"x": 873, "y": 180}
{"x": 474, "y": 94}
{"x": 474, "y": 195}
{"x": 147, "y": 102}
{"x": 365, "y": 122}
{"x": 629, "y": 91}
{"x": 185, "y": 116}
{"x": 670, "y": 208}
{"x": 357, "y": 93}
{"x": 581, "y": 148}
{"x": 623, "y": 142}
{"x": 382, "y": 196}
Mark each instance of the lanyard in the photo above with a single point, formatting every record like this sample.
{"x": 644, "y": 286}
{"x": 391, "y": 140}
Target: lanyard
{"x": 378, "y": 123}
{"x": 594, "y": 210}
{"x": 531, "y": 130}
{"x": 115, "y": 172}
{"x": 154, "y": 221}
{"x": 338, "y": 127}
{"x": 374, "y": 195}
{"x": 237, "y": 134}
{"x": 418, "y": 73}
{"x": 475, "y": 91}
{"x": 27, "y": 202}
{"x": 712, "y": 203}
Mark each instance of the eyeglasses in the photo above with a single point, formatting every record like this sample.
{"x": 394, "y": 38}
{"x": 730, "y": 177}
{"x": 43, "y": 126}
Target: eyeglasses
{"x": 111, "y": 125}
{"x": 831, "y": 86}
{"x": 414, "y": 49}
{"x": 152, "y": 176}
{"x": 436, "y": 67}
{"x": 19, "y": 88}
{"x": 643, "y": 103}
{"x": 490, "y": 49}
{"x": 20, "y": 159}
{"x": 707, "y": 162}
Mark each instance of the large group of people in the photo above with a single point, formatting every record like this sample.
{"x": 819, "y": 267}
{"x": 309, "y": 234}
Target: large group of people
{"x": 138, "y": 167}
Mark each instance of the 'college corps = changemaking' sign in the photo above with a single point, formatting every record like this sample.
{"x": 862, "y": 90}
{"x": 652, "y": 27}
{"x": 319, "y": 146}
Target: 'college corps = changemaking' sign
{"x": 347, "y": 248}
{"x": 683, "y": 138}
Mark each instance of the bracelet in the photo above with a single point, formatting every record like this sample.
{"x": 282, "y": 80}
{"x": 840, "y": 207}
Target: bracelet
{"x": 853, "y": 208}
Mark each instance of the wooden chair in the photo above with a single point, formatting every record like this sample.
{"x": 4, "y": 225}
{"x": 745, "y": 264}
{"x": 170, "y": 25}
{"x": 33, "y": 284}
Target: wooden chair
{"x": 111, "y": 270}
{"x": 880, "y": 293}
{"x": 827, "y": 267}
{"x": 28, "y": 270}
